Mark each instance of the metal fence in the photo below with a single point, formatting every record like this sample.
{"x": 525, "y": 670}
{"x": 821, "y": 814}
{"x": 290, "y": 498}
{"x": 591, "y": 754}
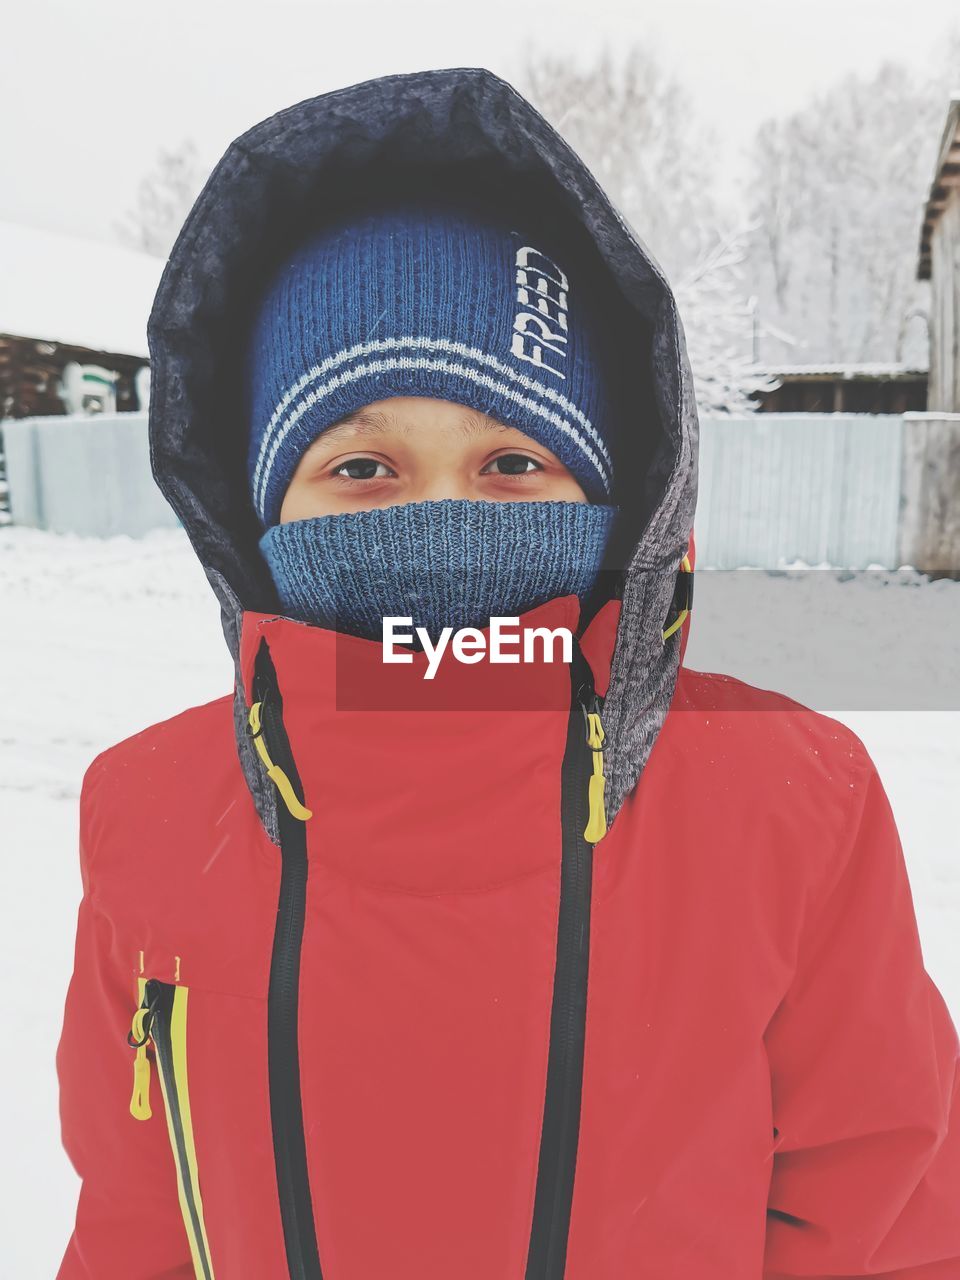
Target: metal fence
{"x": 83, "y": 474}
{"x": 845, "y": 490}
{"x": 818, "y": 488}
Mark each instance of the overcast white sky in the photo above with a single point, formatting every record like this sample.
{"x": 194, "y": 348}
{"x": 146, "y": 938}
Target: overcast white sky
{"x": 89, "y": 92}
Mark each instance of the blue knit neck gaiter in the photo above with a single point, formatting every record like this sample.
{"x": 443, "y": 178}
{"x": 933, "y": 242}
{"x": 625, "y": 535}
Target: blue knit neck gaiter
{"x": 446, "y": 562}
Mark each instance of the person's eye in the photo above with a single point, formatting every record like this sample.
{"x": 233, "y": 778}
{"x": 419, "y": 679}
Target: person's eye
{"x": 362, "y": 469}
{"x": 513, "y": 464}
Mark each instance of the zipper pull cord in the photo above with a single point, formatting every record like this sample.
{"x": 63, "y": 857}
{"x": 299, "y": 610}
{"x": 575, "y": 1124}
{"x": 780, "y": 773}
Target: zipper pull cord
{"x": 596, "y": 827}
{"x": 274, "y": 772}
{"x": 137, "y": 1038}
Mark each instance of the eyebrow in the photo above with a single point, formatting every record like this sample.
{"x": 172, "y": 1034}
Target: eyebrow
{"x": 367, "y": 421}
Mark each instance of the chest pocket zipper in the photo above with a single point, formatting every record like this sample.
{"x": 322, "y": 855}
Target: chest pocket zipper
{"x": 161, "y": 1019}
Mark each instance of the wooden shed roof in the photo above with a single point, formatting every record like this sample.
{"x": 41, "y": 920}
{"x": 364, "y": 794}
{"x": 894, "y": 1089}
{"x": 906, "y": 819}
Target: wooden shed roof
{"x": 873, "y": 371}
{"x": 946, "y": 179}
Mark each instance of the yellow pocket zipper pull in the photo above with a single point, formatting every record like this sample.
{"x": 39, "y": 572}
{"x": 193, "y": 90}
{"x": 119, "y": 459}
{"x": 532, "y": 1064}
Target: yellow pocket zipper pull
{"x": 137, "y": 1038}
{"x": 596, "y": 827}
{"x": 274, "y": 772}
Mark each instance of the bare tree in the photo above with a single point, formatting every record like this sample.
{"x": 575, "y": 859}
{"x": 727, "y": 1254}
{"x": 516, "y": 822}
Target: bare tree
{"x": 164, "y": 198}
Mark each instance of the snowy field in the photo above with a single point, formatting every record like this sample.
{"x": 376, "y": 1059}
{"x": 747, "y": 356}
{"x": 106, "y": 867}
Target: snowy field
{"x": 101, "y": 638}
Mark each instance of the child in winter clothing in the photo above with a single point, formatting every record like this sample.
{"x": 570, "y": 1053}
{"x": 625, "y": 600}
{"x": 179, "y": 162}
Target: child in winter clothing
{"x": 588, "y": 968}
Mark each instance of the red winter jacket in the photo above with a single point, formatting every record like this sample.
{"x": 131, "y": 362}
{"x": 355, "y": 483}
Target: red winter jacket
{"x": 384, "y": 998}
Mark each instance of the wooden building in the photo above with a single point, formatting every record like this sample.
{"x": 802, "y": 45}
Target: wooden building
{"x": 32, "y": 371}
{"x": 845, "y": 388}
{"x": 940, "y": 264}
{"x": 66, "y": 301}
{"x": 73, "y": 328}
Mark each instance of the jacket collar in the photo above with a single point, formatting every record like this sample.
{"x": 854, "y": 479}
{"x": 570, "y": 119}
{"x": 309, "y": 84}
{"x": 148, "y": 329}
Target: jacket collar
{"x": 339, "y": 672}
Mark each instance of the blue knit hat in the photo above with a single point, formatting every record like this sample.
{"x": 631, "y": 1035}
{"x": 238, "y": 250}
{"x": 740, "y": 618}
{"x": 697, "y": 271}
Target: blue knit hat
{"x": 428, "y": 298}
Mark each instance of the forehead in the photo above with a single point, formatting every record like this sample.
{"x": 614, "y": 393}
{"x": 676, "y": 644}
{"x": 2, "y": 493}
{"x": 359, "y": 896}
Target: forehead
{"x": 372, "y": 420}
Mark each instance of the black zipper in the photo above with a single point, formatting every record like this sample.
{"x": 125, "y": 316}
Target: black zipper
{"x": 547, "y": 1255}
{"x": 158, "y": 998}
{"x": 286, "y": 1108}
{"x": 546, "y": 1259}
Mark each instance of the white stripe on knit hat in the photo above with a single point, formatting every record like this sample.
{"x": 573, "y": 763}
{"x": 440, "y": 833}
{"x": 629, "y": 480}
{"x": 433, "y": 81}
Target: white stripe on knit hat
{"x": 384, "y": 345}
{"x": 423, "y": 362}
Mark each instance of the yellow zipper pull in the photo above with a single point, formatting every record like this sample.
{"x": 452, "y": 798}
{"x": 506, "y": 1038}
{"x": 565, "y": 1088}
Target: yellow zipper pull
{"x": 137, "y": 1038}
{"x": 140, "y": 1102}
{"x": 596, "y": 827}
{"x": 274, "y": 772}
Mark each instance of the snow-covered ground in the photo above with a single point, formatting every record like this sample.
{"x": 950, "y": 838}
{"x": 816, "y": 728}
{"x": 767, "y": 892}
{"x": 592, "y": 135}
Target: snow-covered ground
{"x": 101, "y": 638}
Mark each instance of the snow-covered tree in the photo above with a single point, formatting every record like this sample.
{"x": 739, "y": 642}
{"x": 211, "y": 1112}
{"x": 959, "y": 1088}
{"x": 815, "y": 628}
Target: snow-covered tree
{"x": 635, "y": 126}
{"x": 838, "y": 189}
{"x": 164, "y": 199}
{"x": 722, "y": 326}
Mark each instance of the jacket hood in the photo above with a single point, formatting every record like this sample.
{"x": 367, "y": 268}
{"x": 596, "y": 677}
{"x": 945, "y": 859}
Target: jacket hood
{"x": 462, "y": 129}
